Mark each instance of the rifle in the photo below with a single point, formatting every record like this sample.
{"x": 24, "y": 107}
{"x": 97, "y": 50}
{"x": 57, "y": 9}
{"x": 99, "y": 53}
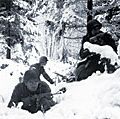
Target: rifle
{"x": 39, "y": 96}
{"x": 60, "y": 91}
{"x": 70, "y": 79}
{"x": 63, "y": 77}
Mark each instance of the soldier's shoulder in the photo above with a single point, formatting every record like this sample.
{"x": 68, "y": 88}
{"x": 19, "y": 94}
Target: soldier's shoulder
{"x": 36, "y": 65}
{"x": 19, "y": 87}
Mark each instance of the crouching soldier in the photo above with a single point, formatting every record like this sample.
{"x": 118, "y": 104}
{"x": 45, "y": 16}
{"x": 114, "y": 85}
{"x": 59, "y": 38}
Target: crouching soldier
{"x": 89, "y": 66}
{"x": 33, "y": 93}
{"x": 39, "y": 69}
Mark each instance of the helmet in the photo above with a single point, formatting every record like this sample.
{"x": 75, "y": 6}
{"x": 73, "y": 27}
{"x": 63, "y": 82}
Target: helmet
{"x": 93, "y": 23}
{"x": 30, "y": 75}
{"x": 43, "y": 59}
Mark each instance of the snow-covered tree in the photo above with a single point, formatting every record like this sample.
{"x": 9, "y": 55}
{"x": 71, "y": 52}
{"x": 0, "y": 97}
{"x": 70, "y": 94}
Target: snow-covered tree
{"x": 108, "y": 12}
{"x": 49, "y": 27}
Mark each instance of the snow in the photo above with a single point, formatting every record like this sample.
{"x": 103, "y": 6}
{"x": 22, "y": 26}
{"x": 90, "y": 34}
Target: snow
{"x": 97, "y": 97}
{"x": 105, "y": 51}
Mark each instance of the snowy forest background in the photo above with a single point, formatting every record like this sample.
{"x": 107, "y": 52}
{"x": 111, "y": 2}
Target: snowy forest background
{"x": 30, "y": 28}
{"x": 54, "y": 28}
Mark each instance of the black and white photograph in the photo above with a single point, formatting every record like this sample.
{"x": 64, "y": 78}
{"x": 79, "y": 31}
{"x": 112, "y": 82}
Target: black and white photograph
{"x": 59, "y": 59}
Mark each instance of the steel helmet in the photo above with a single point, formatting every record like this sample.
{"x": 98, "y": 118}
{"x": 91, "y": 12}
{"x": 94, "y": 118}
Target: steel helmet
{"x": 43, "y": 59}
{"x": 30, "y": 75}
{"x": 93, "y": 23}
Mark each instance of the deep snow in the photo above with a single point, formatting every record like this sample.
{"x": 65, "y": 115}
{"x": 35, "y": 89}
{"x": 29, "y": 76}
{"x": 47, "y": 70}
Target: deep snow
{"x": 97, "y": 97}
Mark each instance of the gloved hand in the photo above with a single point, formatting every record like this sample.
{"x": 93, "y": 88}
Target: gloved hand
{"x": 52, "y": 82}
{"x": 86, "y": 52}
{"x": 49, "y": 96}
{"x": 28, "y": 101}
{"x": 45, "y": 95}
{"x": 42, "y": 97}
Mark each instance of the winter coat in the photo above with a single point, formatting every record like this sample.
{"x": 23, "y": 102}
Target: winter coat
{"x": 40, "y": 70}
{"x": 100, "y": 38}
{"x": 32, "y": 101}
{"x": 89, "y": 66}
{"x": 93, "y": 61}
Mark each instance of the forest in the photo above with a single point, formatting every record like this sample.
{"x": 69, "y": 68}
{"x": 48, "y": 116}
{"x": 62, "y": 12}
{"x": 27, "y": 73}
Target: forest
{"x": 53, "y": 28}
{"x": 56, "y": 29}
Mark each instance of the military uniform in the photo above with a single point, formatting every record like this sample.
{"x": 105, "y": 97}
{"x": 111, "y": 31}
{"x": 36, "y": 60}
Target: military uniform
{"x": 40, "y": 70}
{"x": 92, "y": 58}
{"x": 33, "y": 100}
{"x": 22, "y": 94}
{"x": 100, "y": 38}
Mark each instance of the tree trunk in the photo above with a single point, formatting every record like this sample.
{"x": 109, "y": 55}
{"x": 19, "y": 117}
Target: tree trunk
{"x": 90, "y": 7}
{"x": 8, "y": 55}
{"x": 8, "y": 7}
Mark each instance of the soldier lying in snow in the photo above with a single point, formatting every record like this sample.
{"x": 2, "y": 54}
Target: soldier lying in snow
{"x": 33, "y": 93}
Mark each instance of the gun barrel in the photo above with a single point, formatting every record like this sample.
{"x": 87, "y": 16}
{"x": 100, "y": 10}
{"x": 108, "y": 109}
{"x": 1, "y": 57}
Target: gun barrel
{"x": 61, "y": 75}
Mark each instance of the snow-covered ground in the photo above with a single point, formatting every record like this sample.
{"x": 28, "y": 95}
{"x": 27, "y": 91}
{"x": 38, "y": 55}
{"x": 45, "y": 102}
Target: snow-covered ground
{"x": 97, "y": 97}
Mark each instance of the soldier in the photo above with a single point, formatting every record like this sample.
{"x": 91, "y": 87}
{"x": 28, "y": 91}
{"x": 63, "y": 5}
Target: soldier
{"x": 96, "y": 36}
{"x": 93, "y": 61}
{"x": 39, "y": 68}
{"x": 33, "y": 93}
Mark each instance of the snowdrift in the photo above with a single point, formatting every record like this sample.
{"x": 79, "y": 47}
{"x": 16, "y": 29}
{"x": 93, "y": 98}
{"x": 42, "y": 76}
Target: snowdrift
{"x": 97, "y": 97}
{"x": 105, "y": 51}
